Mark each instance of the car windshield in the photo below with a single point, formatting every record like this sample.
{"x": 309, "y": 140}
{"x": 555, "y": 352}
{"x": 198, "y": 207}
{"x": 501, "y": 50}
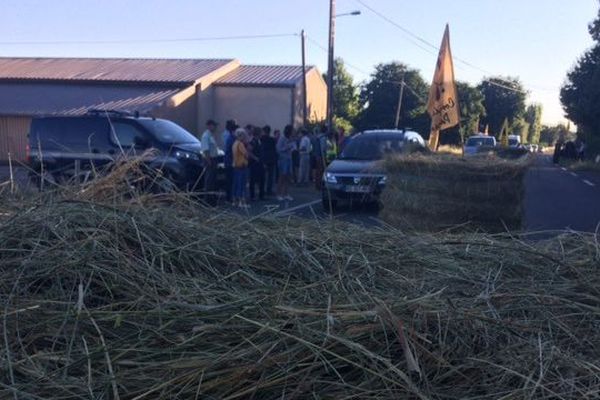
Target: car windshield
{"x": 371, "y": 147}
{"x": 168, "y": 132}
{"x": 480, "y": 141}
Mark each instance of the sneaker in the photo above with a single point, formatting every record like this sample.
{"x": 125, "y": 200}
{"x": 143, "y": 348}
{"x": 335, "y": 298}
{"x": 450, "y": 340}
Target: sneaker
{"x": 289, "y": 198}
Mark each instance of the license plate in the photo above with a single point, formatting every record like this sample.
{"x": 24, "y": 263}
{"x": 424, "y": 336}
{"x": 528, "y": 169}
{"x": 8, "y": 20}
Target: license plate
{"x": 358, "y": 189}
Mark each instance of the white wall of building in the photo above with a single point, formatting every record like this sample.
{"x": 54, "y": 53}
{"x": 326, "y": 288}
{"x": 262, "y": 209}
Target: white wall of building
{"x": 258, "y": 106}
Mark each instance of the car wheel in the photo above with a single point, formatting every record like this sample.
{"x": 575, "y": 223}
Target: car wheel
{"x": 329, "y": 204}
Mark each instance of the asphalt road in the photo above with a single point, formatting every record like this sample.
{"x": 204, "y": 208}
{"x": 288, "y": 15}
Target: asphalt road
{"x": 555, "y": 199}
{"x": 558, "y": 199}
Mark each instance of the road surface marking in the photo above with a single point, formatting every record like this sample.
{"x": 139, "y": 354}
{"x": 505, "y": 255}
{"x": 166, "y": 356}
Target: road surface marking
{"x": 574, "y": 174}
{"x": 563, "y": 168}
{"x": 292, "y": 209}
{"x": 589, "y": 183}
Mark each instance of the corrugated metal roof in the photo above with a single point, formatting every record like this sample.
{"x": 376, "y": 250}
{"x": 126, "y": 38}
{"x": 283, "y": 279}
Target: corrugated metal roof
{"x": 264, "y": 75}
{"x": 181, "y": 71}
{"x": 76, "y": 99}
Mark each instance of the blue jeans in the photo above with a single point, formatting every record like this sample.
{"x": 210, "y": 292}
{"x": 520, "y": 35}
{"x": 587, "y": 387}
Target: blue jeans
{"x": 240, "y": 178}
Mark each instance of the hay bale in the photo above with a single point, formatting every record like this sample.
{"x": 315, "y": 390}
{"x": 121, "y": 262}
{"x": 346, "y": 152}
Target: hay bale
{"x": 138, "y": 300}
{"x": 438, "y": 192}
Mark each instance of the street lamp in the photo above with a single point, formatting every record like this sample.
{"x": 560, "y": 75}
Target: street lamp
{"x": 357, "y": 12}
{"x": 330, "y": 72}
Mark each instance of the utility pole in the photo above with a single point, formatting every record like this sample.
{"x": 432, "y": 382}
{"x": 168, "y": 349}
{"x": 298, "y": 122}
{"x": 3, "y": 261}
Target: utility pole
{"x": 399, "y": 103}
{"x": 330, "y": 66}
{"x": 304, "y": 95}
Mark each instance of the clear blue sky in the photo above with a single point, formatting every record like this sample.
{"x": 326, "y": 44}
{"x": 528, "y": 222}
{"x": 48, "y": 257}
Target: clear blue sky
{"x": 536, "y": 40}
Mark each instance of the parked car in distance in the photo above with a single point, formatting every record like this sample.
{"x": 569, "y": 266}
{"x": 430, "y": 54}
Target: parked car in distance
{"x": 63, "y": 148}
{"x": 479, "y": 143}
{"x": 514, "y": 141}
{"x": 355, "y": 176}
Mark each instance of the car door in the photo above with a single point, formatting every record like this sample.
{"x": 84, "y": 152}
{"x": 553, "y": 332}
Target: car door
{"x": 127, "y": 140}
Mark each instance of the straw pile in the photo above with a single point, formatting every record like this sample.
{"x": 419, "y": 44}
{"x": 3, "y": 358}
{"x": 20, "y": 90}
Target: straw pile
{"x": 432, "y": 192}
{"x": 125, "y": 301}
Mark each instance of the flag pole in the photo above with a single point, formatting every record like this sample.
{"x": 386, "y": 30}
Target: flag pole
{"x": 434, "y": 140}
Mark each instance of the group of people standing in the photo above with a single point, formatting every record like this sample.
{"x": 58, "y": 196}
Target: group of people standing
{"x": 570, "y": 150}
{"x": 258, "y": 160}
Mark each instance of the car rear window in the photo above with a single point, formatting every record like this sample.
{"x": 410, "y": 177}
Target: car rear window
{"x": 69, "y": 133}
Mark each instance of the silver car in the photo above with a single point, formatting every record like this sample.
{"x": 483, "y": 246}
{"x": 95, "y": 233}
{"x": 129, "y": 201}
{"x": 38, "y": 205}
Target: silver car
{"x": 479, "y": 143}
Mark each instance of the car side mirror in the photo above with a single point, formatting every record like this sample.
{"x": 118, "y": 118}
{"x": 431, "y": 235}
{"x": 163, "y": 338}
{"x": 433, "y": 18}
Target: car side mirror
{"x": 140, "y": 142}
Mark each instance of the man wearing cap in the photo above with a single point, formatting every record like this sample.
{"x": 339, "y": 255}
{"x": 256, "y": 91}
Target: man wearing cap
{"x": 210, "y": 152}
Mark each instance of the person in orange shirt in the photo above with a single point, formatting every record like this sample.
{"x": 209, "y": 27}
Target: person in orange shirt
{"x": 240, "y": 168}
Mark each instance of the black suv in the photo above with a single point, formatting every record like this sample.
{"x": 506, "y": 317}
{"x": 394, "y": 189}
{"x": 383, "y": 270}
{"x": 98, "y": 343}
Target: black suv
{"x": 356, "y": 175}
{"x": 65, "y": 147}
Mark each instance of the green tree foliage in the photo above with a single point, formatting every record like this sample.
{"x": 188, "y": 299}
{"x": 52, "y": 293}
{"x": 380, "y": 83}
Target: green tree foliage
{"x": 345, "y": 93}
{"x": 580, "y": 95}
{"x": 380, "y": 97}
{"x": 521, "y": 128}
{"x": 533, "y": 117}
{"x": 472, "y": 109}
{"x": 343, "y": 123}
{"x": 503, "y": 98}
{"x": 550, "y": 134}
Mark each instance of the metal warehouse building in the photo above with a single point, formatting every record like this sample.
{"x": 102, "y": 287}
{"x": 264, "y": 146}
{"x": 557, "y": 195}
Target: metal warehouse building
{"x": 186, "y": 91}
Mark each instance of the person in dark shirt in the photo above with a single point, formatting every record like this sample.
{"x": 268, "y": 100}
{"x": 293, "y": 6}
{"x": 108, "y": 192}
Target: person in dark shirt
{"x": 257, "y": 171}
{"x": 229, "y": 139}
{"x": 268, "y": 150}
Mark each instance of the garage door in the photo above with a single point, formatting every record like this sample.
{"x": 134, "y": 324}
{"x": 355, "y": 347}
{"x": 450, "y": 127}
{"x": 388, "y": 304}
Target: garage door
{"x": 13, "y": 137}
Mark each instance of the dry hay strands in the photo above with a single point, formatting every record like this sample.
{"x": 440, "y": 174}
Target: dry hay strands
{"x": 475, "y": 168}
{"x": 433, "y": 192}
{"x": 131, "y": 301}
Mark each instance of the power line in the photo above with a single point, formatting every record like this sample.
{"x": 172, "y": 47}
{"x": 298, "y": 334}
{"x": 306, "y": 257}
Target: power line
{"x": 492, "y": 82}
{"x": 410, "y": 89}
{"x": 415, "y": 37}
{"x": 133, "y": 41}
{"x": 320, "y": 46}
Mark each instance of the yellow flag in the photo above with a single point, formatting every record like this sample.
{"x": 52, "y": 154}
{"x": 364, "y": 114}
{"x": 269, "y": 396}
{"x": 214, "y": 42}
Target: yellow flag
{"x": 504, "y": 133}
{"x": 443, "y": 100}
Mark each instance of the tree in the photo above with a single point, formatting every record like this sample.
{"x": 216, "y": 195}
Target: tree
{"x": 580, "y": 95}
{"x": 345, "y": 93}
{"x": 533, "y": 117}
{"x": 472, "y": 109}
{"x": 550, "y": 134}
{"x": 380, "y": 97}
{"x": 521, "y": 128}
{"x": 503, "y": 98}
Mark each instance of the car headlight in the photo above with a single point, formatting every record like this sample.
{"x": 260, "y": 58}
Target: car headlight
{"x": 329, "y": 177}
{"x": 186, "y": 155}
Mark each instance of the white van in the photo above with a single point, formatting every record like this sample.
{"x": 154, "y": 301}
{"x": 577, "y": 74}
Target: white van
{"x": 514, "y": 141}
